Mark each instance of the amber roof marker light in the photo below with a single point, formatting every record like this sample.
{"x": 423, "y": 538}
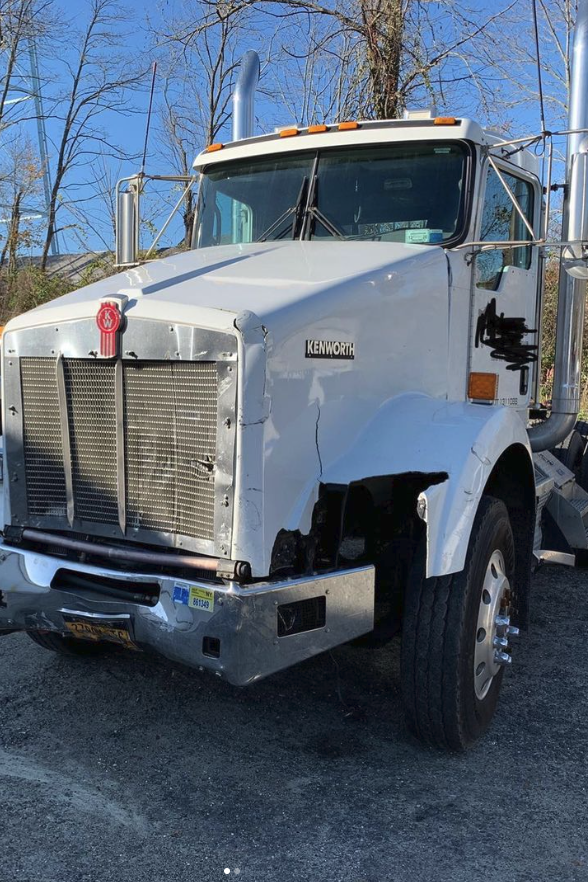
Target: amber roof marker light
{"x": 445, "y": 121}
{"x": 348, "y": 126}
{"x": 289, "y": 133}
{"x": 317, "y": 129}
{"x": 212, "y": 148}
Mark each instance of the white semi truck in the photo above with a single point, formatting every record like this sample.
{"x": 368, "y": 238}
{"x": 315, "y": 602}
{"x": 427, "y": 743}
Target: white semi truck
{"x": 321, "y": 419}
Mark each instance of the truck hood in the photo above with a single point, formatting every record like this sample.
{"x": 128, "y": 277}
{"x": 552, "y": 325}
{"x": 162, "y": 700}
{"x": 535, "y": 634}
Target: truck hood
{"x": 209, "y": 287}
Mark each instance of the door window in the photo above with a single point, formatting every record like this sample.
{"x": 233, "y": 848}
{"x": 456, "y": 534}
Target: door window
{"x": 501, "y": 222}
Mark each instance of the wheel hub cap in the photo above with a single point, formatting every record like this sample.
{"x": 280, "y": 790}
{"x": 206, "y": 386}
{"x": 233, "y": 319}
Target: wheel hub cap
{"x": 493, "y": 628}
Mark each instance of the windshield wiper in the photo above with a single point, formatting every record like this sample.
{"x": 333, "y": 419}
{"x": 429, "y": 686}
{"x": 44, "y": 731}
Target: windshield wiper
{"x": 302, "y": 210}
{"x": 297, "y": 210}
{"x": 317, "y": 215}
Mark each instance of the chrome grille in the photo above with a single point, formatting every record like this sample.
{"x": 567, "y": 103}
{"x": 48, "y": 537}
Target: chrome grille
{"x": 170, "y": 413}
{"x": 43, "y": 452}
{"x": 91, "y": 412}
{"x": 169, "y": 485}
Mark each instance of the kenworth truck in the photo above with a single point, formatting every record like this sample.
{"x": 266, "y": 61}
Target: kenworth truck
{"x": 321, "y": 419}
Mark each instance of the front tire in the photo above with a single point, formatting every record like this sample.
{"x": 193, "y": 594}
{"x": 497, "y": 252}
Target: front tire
{"x": 451, "y": 676}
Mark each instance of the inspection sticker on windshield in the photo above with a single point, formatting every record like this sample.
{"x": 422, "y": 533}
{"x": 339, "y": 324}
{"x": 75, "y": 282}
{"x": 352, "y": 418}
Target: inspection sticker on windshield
{"x": 193, "y": 596}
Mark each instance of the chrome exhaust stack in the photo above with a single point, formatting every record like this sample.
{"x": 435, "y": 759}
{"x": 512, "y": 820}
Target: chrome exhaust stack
{"x": 573, "y": 271}
{"x": 244, "y": 97}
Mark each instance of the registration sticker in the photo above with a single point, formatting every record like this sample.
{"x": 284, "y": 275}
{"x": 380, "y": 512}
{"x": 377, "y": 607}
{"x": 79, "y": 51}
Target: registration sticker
{"x": 181, "y": 593}
{"x": 193, "y": 596}
{"x": 201, "y": 598}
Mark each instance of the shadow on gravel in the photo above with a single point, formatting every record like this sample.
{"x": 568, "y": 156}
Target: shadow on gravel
{"x": 330, "y": 706}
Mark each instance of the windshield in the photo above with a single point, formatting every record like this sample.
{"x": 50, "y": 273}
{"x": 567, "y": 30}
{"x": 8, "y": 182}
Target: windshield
{"x": 395, "y": 193}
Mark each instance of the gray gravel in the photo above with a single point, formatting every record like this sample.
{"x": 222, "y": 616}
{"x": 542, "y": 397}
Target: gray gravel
{"x": 129, "y": 768}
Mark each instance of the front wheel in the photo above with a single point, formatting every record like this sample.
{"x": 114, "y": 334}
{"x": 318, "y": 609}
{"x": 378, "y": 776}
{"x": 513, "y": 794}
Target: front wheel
{"x": 455, "y": 637}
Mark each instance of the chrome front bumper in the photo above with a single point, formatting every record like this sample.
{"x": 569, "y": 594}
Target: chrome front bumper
{"x": 242, "y": 622}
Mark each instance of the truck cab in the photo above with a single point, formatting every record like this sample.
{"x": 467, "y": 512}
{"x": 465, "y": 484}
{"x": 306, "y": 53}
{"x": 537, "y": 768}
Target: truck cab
{"x": 424, "y": 181}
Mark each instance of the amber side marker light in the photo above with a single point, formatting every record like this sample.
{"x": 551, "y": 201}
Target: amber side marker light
{"x": 288, "y": 133}
{"x": 212, "y": 148}
{"x": 316, "y": 130}
{"x": 482, "y": 387}
{"x": 346, "y": 126}
{"x": 445, "y": 120}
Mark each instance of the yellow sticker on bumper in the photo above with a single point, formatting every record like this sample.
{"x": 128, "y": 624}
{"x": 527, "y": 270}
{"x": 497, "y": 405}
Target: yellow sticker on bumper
{"x": 201, "y": 598}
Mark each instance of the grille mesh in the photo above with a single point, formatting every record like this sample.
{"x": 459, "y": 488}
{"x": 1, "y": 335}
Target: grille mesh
{"x": 45, "y": 478}
{"x": 89, "y": 388}
{"x": 170, "y": 423}
{"x": 169, "y": 487}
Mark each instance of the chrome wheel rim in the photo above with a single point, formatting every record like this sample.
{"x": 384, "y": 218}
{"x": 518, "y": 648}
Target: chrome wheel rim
{"x": 489, "y": 655}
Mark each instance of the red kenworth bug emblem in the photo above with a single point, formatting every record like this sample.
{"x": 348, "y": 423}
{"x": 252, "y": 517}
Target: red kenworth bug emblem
{"x": 108, "y": 319}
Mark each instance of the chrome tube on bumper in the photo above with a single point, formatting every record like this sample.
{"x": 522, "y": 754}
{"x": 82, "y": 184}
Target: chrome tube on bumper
{"x": 240, "y": 633}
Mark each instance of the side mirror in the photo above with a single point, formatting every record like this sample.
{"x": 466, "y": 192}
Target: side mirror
{"x": 575, "y": 257}
{"x": 127, "y": 223}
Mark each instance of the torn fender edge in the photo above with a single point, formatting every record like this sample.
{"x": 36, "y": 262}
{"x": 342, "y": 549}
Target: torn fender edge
{"x": 355, "y": 523}
{"x": 441, "y": 547}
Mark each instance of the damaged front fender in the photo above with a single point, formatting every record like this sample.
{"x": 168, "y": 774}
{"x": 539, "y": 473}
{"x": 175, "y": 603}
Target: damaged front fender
{"x": 418, "y": 434}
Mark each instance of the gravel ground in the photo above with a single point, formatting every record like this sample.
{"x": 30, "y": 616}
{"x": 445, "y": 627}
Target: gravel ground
{"x": 131, "y": 768}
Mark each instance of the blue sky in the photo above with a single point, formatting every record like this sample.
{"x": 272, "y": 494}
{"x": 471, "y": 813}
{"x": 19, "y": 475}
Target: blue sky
{"x": 129, "y": 130}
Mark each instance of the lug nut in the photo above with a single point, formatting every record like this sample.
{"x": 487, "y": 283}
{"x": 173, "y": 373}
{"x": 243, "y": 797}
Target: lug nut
{"x": 502, "y": 658}
{"x": 512, "y": 631}
{"x": 500, "y": 643}
{"x": 502, "y": 624}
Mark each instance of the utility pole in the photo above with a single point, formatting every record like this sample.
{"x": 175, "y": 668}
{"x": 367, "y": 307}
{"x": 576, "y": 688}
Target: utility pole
{"x": 41, "y": 135}
{"x": 32, "y": 90}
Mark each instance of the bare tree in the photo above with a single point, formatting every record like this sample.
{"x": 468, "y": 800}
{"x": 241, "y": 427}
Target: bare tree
{"x": 523, "y": 69}
{"x": 22, "y": 22}
{"x": 96, "y": 215}
{"x": 99, "y": 82}
{"x": 199, "y": 74}
{"x": 20, "y": 190}
{"x": 320, "y": 83}
{"x": 393, "y": 51}
{"x": 178, "y": 138}
{"x": 198, "y": 79}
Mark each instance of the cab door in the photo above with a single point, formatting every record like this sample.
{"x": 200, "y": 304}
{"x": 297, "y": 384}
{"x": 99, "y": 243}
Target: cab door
{"x": 504, "y": 336}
